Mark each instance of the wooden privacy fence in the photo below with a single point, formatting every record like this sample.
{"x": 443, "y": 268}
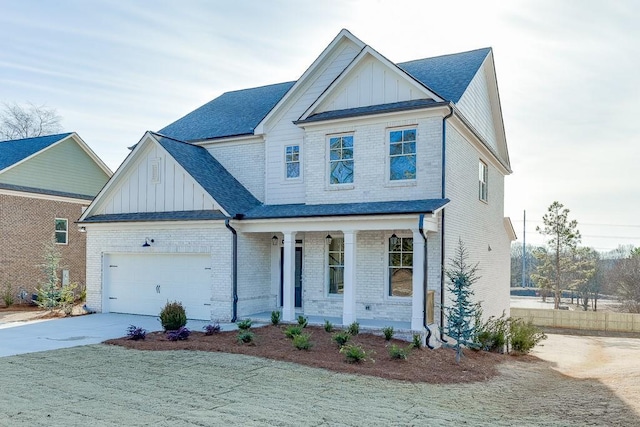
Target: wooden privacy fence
{"x": 588, "y": 320}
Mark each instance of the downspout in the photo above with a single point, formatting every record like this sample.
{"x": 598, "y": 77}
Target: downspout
{"x": 425, "y": 281}
{"x": 443, "y": 194}
{"x": 234, "y": 270}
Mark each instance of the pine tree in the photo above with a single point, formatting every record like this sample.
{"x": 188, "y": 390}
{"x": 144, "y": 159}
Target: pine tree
{"x": 462, "y": 313}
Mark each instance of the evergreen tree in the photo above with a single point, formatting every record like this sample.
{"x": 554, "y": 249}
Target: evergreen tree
{"x": 462, "y": 313}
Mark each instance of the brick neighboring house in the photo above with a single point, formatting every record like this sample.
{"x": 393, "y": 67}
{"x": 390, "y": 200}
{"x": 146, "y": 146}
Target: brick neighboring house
{"x": 45, "y": 184}
{"x": 339, "y": 196}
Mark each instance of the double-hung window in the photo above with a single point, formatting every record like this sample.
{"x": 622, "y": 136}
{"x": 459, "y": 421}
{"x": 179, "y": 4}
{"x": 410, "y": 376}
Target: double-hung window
{"x": 400, "y": 266}
{"x": 402, "y": 154}
{"x": 292, "y": 161}
{"x": 483, "y": 181}
{"x": 341, "y": 159}
{"x": 336, "y": 266}
{"x": 61, "y": 231}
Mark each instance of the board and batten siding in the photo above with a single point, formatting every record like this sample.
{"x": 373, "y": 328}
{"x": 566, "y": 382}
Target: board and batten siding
{"x": 63, "y": 167}
{"x": 370, "y": 83}
{"x": 283, "y": 132}
{"x": 175, "y": 190}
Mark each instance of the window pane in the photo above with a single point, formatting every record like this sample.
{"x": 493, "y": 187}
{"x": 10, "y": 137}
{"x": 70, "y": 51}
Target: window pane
{"x": 400, "y": 282}
{"x": 395, "y": 136}
{"x": 347, "y": 141}
{"x": 402, "y": 167}
{"x": 407, "y": 244}
{"x": 395, "y": 259}
{"x": 336, "y": 280}
{"x": 409, "y": 147}
{"x": 395, "y": 149}
{"x": 61, "y": 237}
{"x": 335, "y": 143}
{"x": 410, "y": 135}
{"x": 61, "y": 225}
{"x": 341, "y": 172}
{"x": 347, "y": 153}
{"x": 293, "y": 170}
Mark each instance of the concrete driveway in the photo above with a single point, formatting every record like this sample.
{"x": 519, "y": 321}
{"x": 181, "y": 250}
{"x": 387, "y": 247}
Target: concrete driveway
{"x": 30, "y": 337}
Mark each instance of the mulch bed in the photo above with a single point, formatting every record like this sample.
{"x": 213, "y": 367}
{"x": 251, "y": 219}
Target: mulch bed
{"x": 423, "y": 365}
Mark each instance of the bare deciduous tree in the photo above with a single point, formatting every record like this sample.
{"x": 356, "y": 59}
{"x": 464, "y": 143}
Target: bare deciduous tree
{"x": 17, "y": 121}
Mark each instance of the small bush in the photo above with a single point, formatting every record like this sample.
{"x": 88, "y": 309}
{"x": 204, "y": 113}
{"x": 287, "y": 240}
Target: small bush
{"x": 245, "y": 324}
{"x": 135, "y": 333}
{"x": 492, "y": 335}
{"x": 341, "y": 338}
{"x": 245, "y": 336}
{"x": 328, "y": 326}
{"x": 7, "y": 295}
{"x": 275, "y": 318}
{"x": 302, "y": 321}
{"x": 211, "y": 329}
{"x": 387, "y": 331}
{"x": 179, "y": 334}
{"x": 173, "y": 316}
{"x": 416, "y": 341}
{"x": 400, "y": 353}
{"x": 524, "y": 335}
{"x": 354, "y": 353}
{"x": 354, "y": 328}
{"x": 302, "y": 342}
{"x": 293, "y": 331}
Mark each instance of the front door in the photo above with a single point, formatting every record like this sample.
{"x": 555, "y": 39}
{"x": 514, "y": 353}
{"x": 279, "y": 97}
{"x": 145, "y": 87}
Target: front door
{"x": 297, "y": 277}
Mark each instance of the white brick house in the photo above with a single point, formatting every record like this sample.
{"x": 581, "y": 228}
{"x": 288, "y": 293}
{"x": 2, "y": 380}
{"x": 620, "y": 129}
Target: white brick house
{"x": 339, "y": 195}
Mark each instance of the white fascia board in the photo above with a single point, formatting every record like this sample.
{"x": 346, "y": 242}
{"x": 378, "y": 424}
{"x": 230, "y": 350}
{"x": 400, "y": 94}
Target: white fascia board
{"x": 44, "y": 196}
{"x": 368, "y": 51}
{"x": 343, "y": 34}
{"x": 508, "y": 226}
{"x": 155, "y": 225}
{"x": 230, "y": 141}
{"x": 338, "y": 223}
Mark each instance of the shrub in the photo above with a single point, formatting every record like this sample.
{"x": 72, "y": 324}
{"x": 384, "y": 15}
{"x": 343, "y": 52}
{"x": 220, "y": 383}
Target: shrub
{"x": 328, "y": 326}
{"x": 302, "y": 341}
{"x": 387, "y": 331}
{"x": 400, "y": 353}
{"x": 211, "y": 329}
{"x": 179, "y": 334}
{"x": 416, "y": 341}
{"x": 245, "y": 324}
{"x": 354, "y": 328}
{"x": 275, "y": 317}
{"x": 341, "y": 338}
{"x": 245, "y": 336}
{"x": 524, "y": 335}
{"x": 7, "y": 295}
{"x": 173, "y": 316}
{"x": 302, "y": 321}
{"x": 135, "y": 333}
{"x": 293, "y": 331}
{"x": 354, "y": 353}
{"x": 493, "y": 334}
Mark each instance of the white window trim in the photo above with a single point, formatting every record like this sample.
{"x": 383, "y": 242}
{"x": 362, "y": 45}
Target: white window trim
{"x": 327, "y": 272}
{"x": 298, "y": 178}
{"x": 346, "y": 185}
{"x": 66, "y": 231}
{"x": 399, "y": 182}
{"x": 387, "y": 286}
{"x": 483, "y": 182}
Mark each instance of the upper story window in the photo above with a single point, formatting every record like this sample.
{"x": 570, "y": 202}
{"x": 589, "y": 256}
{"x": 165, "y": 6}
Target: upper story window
{"x": 402, "y": 154}
{"x": 483, "y": 179}
{"x": 341, "y": 159}
{"x": 336, "y": 266}
{"x": 400, "y": 266}
{"x": 61, "y": 231}
{"x": 292, "y": 160}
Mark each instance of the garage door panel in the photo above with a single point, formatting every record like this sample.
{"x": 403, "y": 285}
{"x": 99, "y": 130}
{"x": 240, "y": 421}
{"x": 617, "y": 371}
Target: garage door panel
{"x": 143, "y": 283}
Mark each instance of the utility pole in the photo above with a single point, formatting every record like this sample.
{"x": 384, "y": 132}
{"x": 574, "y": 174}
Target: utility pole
{"x": 524, "y": 249}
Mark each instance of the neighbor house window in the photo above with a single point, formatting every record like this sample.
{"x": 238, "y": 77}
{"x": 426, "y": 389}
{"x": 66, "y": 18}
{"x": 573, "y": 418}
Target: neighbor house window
{"x": 483, "y": 176}
{"x": 402, "y": 154}
{"x": 61, "y": 233}
{"x": 341, "y": 159}
{"x": 400, "y": 266}
{"x": 336, "y": 266}
{"x": 292, "y": 160}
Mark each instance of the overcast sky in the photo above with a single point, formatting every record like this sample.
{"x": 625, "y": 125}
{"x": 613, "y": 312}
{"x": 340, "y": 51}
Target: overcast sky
{"x": 568, "y": 75}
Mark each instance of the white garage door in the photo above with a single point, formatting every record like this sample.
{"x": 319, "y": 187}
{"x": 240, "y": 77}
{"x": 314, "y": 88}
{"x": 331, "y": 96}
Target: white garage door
{"x": 143, "y": 283}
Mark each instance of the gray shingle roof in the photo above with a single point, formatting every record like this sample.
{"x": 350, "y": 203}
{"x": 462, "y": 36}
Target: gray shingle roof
{"x": 447, "y": 75}
{"x": 24, "y": 189}
{"x": 369, "y": 110}
{"x": 230, "y": 114}
{"x": 210, "y": 174}
{"x": 13, "y": 151}
{"x": 346, "y": 209}
{"x": 157, "y": 216}
{"x": 239, "y": 112}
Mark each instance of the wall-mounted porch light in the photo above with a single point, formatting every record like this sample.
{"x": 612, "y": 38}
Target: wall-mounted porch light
{"x": 394, "y": 239}
{"x": 328, "y": 239}
{"x": 274, "y": 240}
{"x": 146, "y": 243}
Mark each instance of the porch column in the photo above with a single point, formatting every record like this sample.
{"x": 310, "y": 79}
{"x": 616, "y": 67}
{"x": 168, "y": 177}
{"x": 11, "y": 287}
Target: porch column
{"x": 349, "y": 296}
{"x": 417, "y": 300}
{"x": 288, "y": 279}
